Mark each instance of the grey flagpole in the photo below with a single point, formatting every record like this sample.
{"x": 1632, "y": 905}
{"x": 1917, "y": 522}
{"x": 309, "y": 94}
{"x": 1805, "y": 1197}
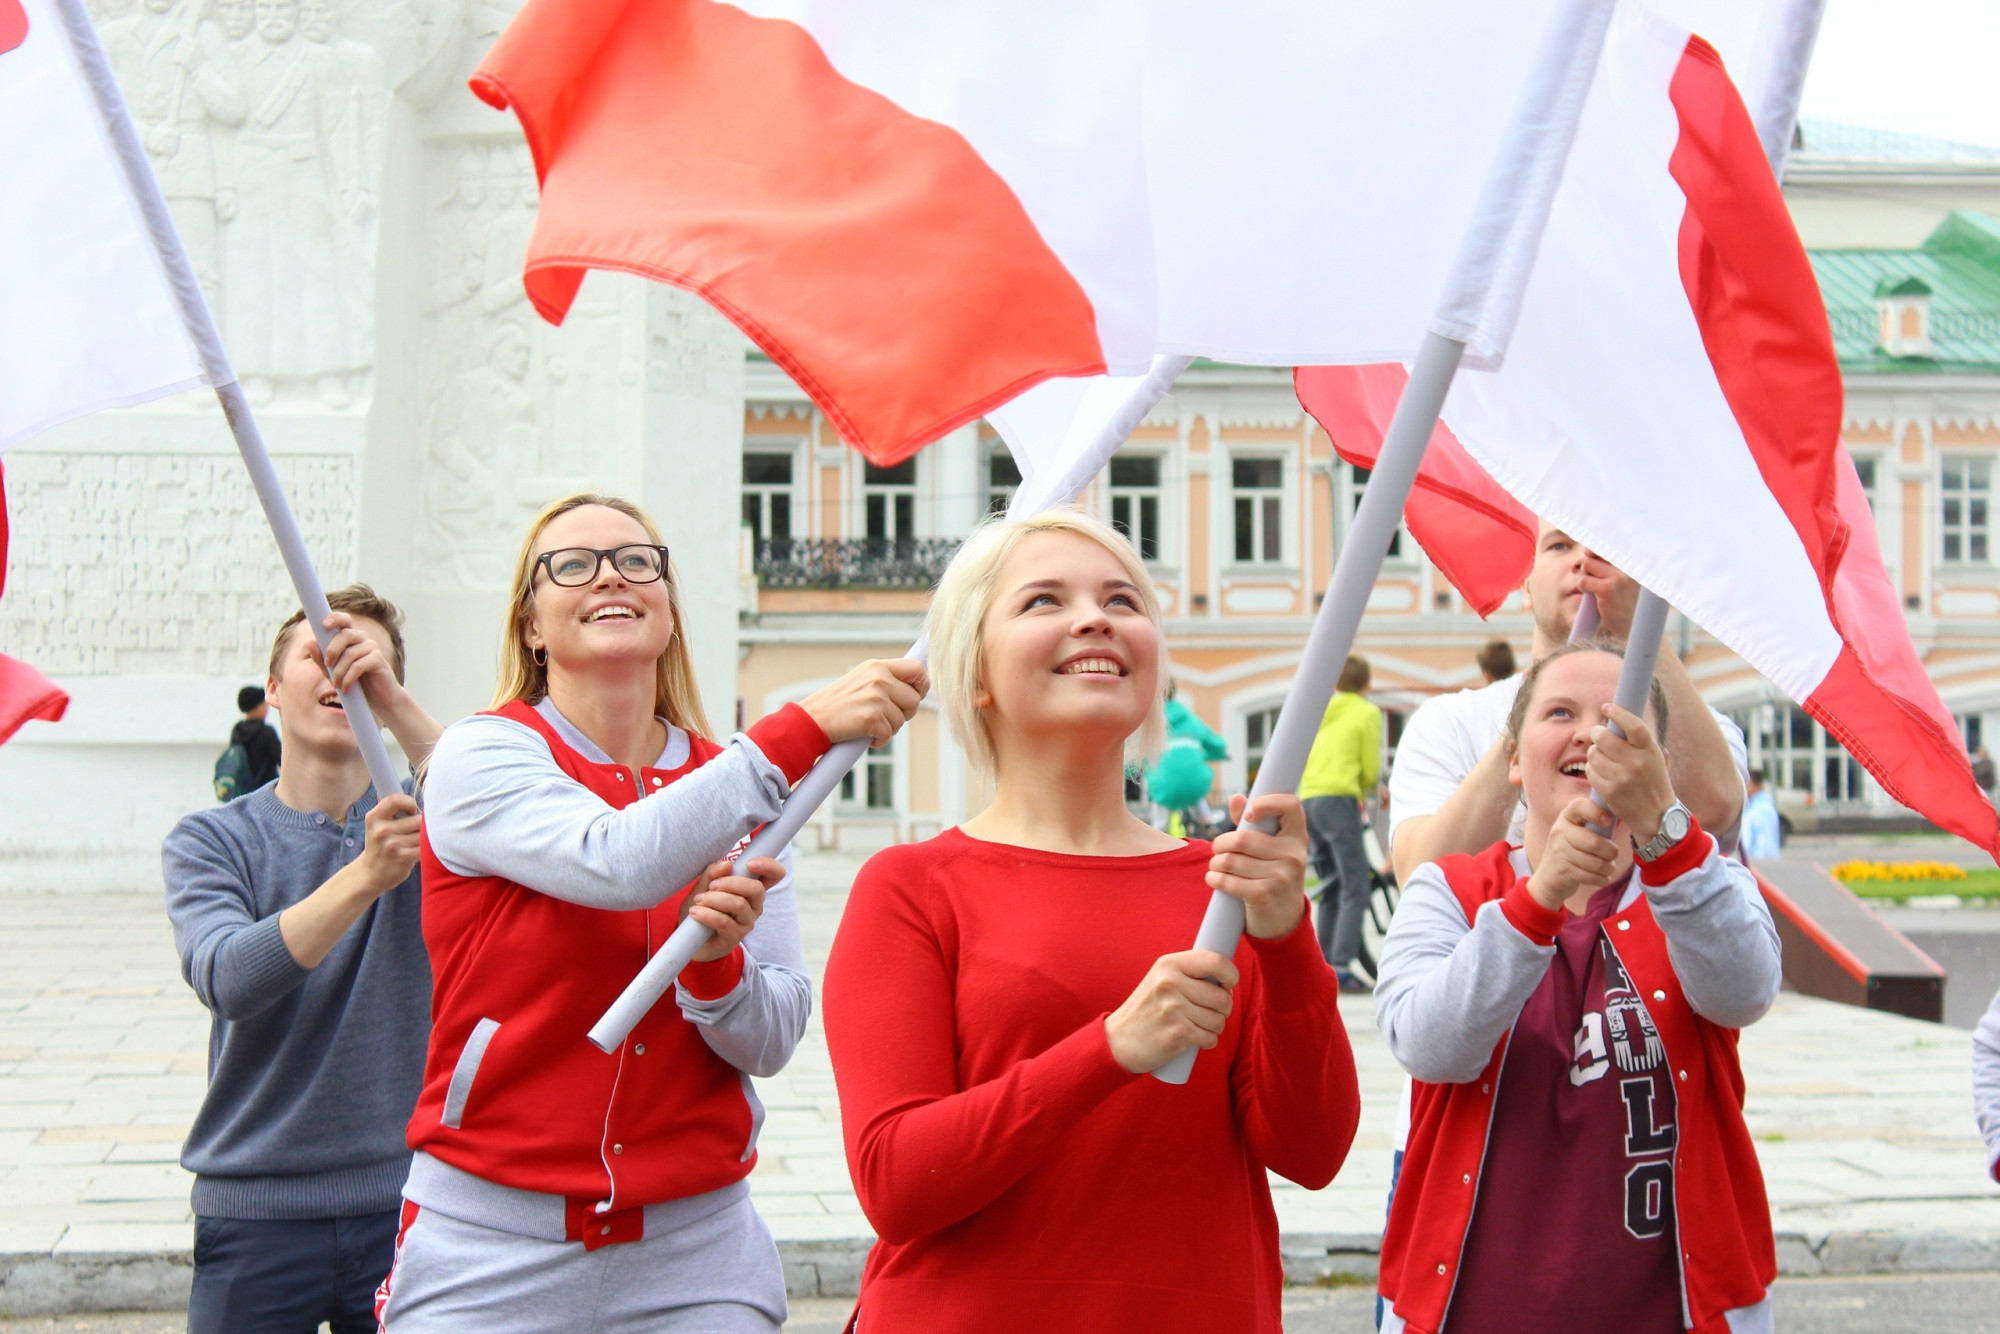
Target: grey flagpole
{"x": 645, "y": 990}
{"x": 1504, "y": 235}
{"x": 207, "y": 340}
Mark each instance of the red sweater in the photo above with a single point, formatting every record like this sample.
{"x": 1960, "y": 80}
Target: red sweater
{"x": 1018, "y": 1177}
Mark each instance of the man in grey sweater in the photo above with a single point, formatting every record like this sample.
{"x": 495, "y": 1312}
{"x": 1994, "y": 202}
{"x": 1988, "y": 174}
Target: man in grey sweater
{"x": 296, "y": 915}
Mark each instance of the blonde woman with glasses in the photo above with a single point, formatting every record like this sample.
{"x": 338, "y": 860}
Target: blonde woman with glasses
{"x": 555, "y": 1187}
{"x": 997, "y": 996}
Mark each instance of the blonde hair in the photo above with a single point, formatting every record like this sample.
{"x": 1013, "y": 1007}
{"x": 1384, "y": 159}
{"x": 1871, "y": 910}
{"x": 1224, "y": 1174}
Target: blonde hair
{"x": 965, "y": 595}
{"x": 675, "y": 694}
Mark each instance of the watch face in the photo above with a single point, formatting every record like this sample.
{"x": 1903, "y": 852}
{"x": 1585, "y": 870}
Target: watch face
{"x": 1675, "y": 823}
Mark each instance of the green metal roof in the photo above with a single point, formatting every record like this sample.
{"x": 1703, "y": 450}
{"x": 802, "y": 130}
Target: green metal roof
{"x": 1959, "y": 263}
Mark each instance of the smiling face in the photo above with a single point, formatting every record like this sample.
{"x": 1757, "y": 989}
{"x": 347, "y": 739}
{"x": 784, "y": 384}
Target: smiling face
{"x": 1554, "y": 587}
{"x": 1066, "y": 647}
{"x": 306, "y": 701}
{"x": 1548, "y": 759}
{"x": 608, "y": 622}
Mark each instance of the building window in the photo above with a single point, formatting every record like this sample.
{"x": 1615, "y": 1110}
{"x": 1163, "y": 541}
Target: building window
{"x": 1865, "y": 469}
{"x": 767, "y": 496}
{"x": 871, "y": 784}
{"x": 1259, "y": 485}
{"x": 1003, "y": 478}
{"x": 1357, "y": 481}
{"x": 1796, "y": 754}
{"x": 1135, "y": 502}
{"x": 1965, "y": 492}
{"x": 889, "y": 501}
{"x": 1257, "y": 729}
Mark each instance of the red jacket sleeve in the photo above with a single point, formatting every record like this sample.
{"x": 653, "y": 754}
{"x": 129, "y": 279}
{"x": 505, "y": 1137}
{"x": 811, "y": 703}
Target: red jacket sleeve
{"x": 923, "y": 1154}
{"x": 1296, "y": 1091}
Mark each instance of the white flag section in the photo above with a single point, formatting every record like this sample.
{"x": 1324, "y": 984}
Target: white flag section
{"x": 88, "y": 317}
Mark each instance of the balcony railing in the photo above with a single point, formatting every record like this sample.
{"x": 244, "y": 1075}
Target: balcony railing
{"x": 853, "y": 562}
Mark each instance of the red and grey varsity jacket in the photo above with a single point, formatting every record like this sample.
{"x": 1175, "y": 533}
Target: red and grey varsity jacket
{"x": 513, "y": 1091}
{"x": 1722, "y": 1217}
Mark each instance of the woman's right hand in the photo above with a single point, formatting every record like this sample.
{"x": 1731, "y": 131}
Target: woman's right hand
{"x": 1183, "y": 1001}
{"x": 873, "y": 700}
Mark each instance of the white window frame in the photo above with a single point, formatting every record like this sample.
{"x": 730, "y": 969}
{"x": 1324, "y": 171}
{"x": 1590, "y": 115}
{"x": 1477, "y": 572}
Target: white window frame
{"x": 1134, "y": 498}
{"x": 1263, "y": 513}
{"x": 998, "y": 495}
{"x": 892, "y": 493}
{"x": 764, "y": 492}
{"x": 877, "y": 765}
{"x": 1969, "y": 535}
{"x": 1402, "y": 547}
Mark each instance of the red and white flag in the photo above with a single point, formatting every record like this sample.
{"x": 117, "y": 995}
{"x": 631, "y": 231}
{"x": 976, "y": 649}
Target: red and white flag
{"x": 88, "y": 315}
{"x": 89, "y": 318}
{"x": 921, "y": 210}
{"x": 1671, "y": 397}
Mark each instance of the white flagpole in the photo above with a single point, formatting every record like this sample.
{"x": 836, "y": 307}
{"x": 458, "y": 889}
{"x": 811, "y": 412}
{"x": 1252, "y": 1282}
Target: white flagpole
{"x": 1482, "y": 299}
{"x": 1041, "y": 493}
{"x": 207, "y": 340}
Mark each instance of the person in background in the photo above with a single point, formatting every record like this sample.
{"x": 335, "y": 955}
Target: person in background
{"x": 1762, "y": 834}
{"x": 1179, "y": 781}
{"x": 1569, "y": 1004}
{"x": 1496, "y": 661}
{"x": 296, "y": 915}
{"x": 997, "y": 995}
{"x": 1982, "y": 771}
{"x": 1341, "y": 773}
{"x": 1986, "y": 1084}
{"x": 260, "y": 741}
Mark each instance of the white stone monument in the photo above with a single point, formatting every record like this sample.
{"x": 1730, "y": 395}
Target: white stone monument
{"x": 358, "y": 221}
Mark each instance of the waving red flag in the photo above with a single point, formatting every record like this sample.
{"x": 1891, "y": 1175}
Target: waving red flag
{"x": 24, "y": 692}
{"x": 1480, "y": 538}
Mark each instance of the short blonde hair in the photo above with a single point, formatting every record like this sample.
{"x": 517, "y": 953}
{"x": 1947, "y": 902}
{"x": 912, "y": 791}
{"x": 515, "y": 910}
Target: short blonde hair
{"x": 965, "y": 595}
{"x": 675, "y": 696}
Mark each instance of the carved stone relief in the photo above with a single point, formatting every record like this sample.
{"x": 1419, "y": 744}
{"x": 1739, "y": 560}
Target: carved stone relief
{"x": 160, "y": 564}
{"x": 518, "y": 406}
{"x": 265, "y": 121}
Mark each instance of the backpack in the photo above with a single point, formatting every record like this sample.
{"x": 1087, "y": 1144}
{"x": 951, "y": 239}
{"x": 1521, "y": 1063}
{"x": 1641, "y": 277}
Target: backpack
{"x": 232, "y": 773}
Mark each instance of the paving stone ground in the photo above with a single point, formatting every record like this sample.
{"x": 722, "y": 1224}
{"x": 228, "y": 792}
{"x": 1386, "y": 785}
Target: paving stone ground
{"x": 1863, "y": 1122}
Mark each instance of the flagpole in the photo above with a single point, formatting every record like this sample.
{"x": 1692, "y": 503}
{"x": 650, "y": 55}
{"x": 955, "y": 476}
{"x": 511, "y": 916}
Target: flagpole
{"x": 207, "y": 341}
{"x": 645, "y": 990}
{"x": 1481, "y": 299}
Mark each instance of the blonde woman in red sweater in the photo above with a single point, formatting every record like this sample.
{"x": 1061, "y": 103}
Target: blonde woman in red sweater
{"x": 997, "y": 996}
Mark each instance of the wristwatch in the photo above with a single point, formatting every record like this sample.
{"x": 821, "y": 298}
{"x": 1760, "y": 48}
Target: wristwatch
{"x": 1674, "y": 826}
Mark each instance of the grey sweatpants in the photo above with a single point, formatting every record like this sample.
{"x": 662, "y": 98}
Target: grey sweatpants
{"x": 1333, "y": 830}
{"x": 718, "y": 1274}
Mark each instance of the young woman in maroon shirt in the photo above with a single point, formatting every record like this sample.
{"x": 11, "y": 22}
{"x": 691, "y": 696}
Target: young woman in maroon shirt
{"x": 997, "y": 996}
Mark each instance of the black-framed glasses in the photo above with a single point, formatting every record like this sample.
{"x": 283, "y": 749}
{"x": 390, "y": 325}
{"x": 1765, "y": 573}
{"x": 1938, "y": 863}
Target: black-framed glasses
{"x": 573, "y": 567}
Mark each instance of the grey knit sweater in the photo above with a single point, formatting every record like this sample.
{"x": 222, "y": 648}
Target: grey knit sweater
{"x": 312, "y": 1074}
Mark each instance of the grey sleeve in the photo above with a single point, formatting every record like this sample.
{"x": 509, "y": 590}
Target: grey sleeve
{"x": 1445, "y": 993}
{"x": 496, "y": 803}
{"x": 237, "y": 964}
{"x": 759, "y": 1023}
{"x": 1721, "y": 940}
{"x": 1986, "y": 1083}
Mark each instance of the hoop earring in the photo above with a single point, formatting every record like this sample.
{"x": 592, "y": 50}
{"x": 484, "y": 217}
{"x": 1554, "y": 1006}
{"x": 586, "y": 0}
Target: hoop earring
{"x": 540, "y": 655}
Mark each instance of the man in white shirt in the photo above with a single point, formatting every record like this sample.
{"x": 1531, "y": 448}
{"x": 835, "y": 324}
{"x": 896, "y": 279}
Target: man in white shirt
{"x": 1448, "y": 791}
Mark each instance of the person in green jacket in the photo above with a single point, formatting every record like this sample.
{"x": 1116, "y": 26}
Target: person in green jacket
{"x": 1341, "y": 773}
{"x": 1180, "y": 779}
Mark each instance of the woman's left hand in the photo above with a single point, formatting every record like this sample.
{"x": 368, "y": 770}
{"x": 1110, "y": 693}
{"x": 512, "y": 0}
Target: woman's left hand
{"x": 729, "y": 905}
{"x": 1266, "y": 871}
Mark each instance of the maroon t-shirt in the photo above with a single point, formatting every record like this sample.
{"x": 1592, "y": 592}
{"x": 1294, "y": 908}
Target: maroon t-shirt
{"x": 1573, "y": 1227}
